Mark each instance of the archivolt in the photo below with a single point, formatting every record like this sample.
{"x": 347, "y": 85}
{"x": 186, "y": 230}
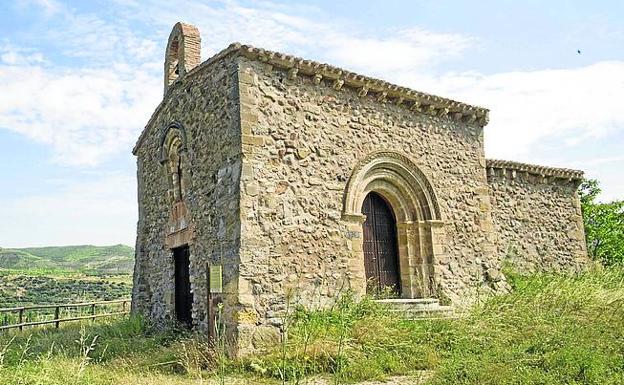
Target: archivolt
{"x": 172, "y": 136}
{"x": 398, "y": 180}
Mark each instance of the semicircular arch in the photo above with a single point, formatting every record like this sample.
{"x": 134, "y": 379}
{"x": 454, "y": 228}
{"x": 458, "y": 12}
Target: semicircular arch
{"x": 173, "y": 135}
{"x": 398, "y": 180}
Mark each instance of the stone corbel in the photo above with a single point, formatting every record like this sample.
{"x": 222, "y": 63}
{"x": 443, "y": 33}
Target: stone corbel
{"x": 470, "y": 118}
{"x": 337, "y": 85}
{"x": 484, "y": 120}
{"x": 292, "y": 73}
{"x": 363, "y": 91}
{"x": 317, "y": 78}
{"x": 416, "y": 106}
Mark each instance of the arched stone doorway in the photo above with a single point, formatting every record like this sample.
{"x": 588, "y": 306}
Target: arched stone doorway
{"x": 380, "y": 244}
{"x": 419, "y": 227}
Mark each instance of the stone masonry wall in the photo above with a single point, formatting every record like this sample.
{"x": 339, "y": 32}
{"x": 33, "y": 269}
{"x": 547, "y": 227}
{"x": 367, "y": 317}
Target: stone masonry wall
{"x": 268, "y": 157}
{"x": 205, "y": 104}
{"x": 301, "y": 141}
{"x": 538, "y": 220}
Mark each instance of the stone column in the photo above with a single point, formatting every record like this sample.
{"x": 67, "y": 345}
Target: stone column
{"x": 423, "y": 247}
{"x": 354, "y": 239}
{"x": 408, "y": 254}
{"x": 437, "y": 255}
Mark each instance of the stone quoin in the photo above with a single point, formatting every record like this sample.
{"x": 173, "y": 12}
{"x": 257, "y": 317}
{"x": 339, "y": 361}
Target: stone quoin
{"x": 303, "y": 179}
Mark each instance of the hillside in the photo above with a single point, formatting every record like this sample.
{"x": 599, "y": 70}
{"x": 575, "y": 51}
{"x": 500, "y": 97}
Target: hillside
{"x": 65, "y": 274}
{"x": 88, "y": 259}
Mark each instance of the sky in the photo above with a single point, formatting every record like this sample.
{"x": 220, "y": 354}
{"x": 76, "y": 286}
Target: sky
{"x": 79, "y": 80}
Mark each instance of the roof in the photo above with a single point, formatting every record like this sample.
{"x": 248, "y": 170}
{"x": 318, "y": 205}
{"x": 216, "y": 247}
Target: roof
{"x": 341, "y": 78}
{"x": 564, "y": 173}
{"x": 415, "y": 100}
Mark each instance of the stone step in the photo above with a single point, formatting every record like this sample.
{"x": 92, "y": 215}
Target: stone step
{"x": 438, "y": 312}
{"x": 409, "y": 301}
{"x": 419, "y": 308}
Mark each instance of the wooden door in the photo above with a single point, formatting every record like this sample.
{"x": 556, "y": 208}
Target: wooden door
{"x": 183, "y": 295}
{"x": 381, "y": 260}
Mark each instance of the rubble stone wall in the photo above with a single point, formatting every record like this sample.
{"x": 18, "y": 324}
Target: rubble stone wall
{"x": 262, "y": 166}
{"x": 301, "y": 142}
{"x": 538, "y": 220}
{"x": 205, "y": 105}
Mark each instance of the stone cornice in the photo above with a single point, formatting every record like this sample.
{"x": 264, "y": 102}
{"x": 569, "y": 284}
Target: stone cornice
{"x": 364, "y": 85}
{"x": 544, "y": 171}
{"x": 340, "y": 79}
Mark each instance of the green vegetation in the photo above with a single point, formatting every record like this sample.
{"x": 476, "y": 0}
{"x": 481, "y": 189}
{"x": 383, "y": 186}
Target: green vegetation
{"x": 95, "y": 260}
{"x": 66, "y": 274}
{"x": 20, "y": 289}
{"x": 552, "y": 329}
{"x": 604, "y": 225}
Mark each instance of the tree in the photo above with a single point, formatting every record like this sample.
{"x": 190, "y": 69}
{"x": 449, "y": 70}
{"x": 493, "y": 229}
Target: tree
{"x": 604, "y": 225}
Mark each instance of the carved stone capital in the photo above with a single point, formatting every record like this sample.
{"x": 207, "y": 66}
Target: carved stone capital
{"x": 354, "y": 218}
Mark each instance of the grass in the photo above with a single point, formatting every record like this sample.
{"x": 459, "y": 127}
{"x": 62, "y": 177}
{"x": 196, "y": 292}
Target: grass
{"x": 551, "y": 329}
{"x": 118, "y": 351}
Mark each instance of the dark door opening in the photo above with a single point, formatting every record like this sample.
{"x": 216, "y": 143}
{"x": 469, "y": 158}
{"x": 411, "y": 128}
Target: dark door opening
{"x": 381, "y": 260}
{"x": 183, "y": 295}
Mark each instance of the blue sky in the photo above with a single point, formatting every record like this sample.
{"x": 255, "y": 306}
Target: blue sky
{"x": 78, "y": 81}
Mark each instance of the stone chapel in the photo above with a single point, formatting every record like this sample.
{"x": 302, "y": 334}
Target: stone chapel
{"x": 301, "y": 179}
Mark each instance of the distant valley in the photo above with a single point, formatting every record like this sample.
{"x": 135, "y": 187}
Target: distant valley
{"x": 117, "y": 259}
{"x": 65, "y": 274}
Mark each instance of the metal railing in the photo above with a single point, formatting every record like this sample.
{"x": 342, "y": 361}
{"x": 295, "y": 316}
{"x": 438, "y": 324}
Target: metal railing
{"x": 24, "y": 321}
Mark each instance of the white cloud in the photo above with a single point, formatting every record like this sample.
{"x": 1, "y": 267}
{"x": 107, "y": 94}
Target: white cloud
{"x": 100, "y": 110}
{"x": 15, "y": 56}
{"x": 304, "y": 31}
{"x": 101, "y": 211}
{"x": 90, "y": 113}
{"x": 48, "y": 6}
{"x": 85, "y": 115}
{"x": 415, "y": 50}
{"x": 569, "y": 105}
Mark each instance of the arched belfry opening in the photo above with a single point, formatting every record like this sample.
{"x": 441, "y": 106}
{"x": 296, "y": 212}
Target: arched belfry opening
{"x": 391, "y": 189}
{"x": 183, "y": 52}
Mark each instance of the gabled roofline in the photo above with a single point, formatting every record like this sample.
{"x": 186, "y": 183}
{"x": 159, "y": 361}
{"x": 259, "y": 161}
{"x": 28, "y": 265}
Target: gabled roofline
{"x": 340, "y": 78}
